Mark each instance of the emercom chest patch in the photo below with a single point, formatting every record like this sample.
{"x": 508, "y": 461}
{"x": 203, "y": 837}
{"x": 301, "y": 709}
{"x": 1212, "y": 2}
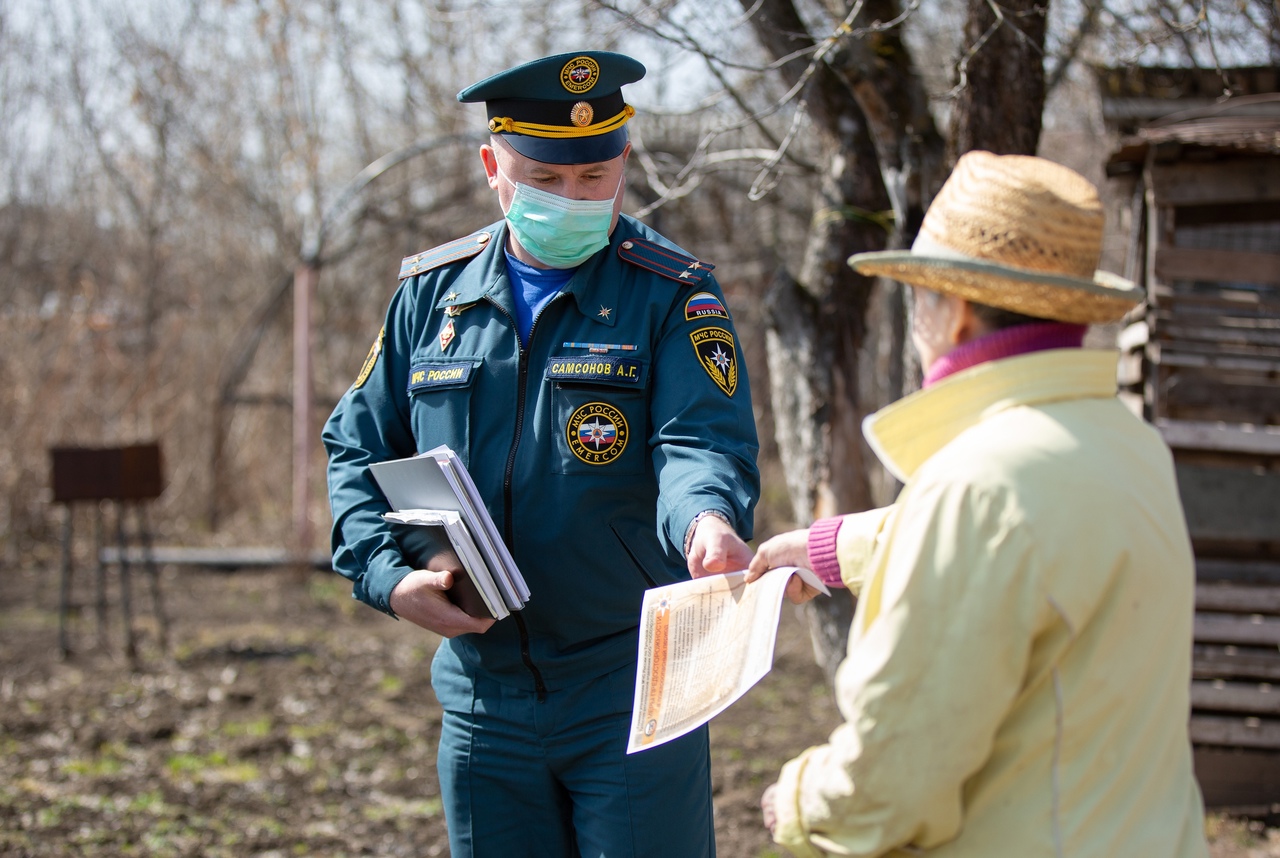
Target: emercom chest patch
{"x": 597, "y": 433}
{"x": 718, "y": 357}
{"x": 600, "y": 368}
{"x": 433, "y": 375}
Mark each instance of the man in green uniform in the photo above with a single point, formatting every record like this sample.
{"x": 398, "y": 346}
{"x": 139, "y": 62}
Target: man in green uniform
{"x": 587, "y": 372}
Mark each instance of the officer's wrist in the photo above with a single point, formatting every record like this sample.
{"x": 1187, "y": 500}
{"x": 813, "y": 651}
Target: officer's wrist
{"x": 693, "y": 526}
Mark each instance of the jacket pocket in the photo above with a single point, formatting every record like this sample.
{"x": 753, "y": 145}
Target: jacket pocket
{"x": 639, "y": 539}
{"x": 440, "y": 394}
{"x": 600, "y": 420}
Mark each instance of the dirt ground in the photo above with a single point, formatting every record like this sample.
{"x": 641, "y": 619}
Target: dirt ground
{"x": 288, "y": 721}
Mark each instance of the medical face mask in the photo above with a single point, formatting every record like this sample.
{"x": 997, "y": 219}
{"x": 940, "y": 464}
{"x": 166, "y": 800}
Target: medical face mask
{"x": 559, "y": 232}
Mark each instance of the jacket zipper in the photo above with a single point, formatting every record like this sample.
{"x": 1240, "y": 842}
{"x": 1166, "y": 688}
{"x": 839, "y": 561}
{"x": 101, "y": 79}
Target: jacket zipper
{"x": 508, "y": 529}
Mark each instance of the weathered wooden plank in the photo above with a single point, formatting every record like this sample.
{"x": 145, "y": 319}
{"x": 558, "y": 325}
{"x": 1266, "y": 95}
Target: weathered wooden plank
{"x": 1242, "y": 318}
{"x": 1159, "y": 231}
{"x": 1209, "y": 661}
{"x": 1129, "y": 369}
{"x": 1189, "y": 355}
{"x": 1236, "y": 778}
{"x": 1238, "y": 599}
{"x": 1131, "y": 187}
{"x": 1242, "y": 697}
{"x": 1230, "y": 341}
{"x": 1237, "y": 181}
{"x": 1209, "y": 395}
{"x": 1175, "y": 295}
{"x": 1244, "y": 360}
{"x": 1232, "y": 437}
{"x": 1233, "y": 336}
{"x": 1134, "y": 336}
{"x": 1223, "y": 503}
{"x": 1254, "y": 630}
{"x": 1189, "y": 310}
{"x": 1252, "y": 571}
{"x": 1228, "y": 213}
{"x": 1221, "y": 410}
{"x": 1217, "y": 266}
{"x": 1224, "y": 730}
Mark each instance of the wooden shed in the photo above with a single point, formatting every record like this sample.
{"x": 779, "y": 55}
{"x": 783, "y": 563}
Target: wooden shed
{"x": 1201, "y": 361}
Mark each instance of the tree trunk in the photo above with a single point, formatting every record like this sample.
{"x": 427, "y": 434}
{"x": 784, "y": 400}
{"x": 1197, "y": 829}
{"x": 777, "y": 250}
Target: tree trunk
{"x": 1001, "y": 86}
{"x": 817, "y": 319}
{"x": 837, "y": 349}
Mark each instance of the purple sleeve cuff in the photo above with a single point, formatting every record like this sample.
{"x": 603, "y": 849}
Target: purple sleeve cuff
{"x": 822, "y": 550}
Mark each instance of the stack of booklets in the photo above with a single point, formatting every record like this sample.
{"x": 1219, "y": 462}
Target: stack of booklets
{"x": 434, "y": 489}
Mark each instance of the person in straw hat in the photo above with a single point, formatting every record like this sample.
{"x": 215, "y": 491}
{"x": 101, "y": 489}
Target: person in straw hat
{"x": 1018, "y": 669}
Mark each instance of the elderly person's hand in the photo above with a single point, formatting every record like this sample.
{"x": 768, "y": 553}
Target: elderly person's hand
{"x": 785, "y": 549}
{"x": 767, "y": 808}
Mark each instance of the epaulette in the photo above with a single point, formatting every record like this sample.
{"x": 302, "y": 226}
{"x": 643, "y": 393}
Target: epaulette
{"x": 452, "y": 251}
{"x": 663, "y": 260}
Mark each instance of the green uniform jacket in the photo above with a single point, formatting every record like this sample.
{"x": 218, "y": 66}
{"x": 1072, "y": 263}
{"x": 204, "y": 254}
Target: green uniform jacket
{"x": 627, "y": 414}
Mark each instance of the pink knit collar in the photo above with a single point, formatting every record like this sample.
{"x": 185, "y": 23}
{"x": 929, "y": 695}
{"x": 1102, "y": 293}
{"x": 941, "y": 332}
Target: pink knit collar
{"x": 1004, "y": 343}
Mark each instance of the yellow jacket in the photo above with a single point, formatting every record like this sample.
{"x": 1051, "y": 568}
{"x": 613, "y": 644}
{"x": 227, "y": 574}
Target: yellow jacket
{"x": 1019, "y": 665}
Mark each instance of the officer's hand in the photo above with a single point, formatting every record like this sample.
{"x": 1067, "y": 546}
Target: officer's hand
{"x": 716, "y": 548}
{"x": 785, "y": 549}
{"x": 420, "y": 598}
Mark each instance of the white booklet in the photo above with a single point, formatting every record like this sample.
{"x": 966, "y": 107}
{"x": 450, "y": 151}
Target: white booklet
{"x": 491, "y": 603}
{"x": 495, "y": 550}
{"x": 703, "y": 644}
{"x": 434, "y": 489}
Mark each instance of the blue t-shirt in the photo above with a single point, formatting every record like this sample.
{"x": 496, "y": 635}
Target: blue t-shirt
{"x": 533, "y": 288}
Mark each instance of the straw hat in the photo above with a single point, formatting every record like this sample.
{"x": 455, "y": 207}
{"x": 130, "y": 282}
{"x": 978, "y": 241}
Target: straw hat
{"x": 1014, "y": 232}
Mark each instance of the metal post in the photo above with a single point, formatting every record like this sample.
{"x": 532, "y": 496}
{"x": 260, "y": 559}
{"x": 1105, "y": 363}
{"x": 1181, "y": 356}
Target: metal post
{"x": 143, "y": 522}
{"x": 64, "y": 600}
{"x": 126, "y": 599}
{"x": 304, "y": 283}
{"x": 100, "y": 566}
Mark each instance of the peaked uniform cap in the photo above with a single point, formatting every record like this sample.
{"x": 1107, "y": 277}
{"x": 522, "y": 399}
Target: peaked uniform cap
{"x": 563, "y": 109}
{"x": 1015, "y": 232}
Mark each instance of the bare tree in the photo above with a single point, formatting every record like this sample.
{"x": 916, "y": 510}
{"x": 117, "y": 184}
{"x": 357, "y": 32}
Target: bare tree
{"x": 873, "y": 157}
{"x": 159, "y": 194}
{"x": 155, "y": 196}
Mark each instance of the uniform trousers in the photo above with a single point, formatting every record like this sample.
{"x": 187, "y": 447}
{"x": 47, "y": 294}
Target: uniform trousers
{"x": 520, "y": 776}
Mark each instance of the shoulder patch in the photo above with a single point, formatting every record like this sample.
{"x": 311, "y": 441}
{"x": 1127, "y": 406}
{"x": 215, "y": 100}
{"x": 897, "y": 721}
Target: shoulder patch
{"x": 663, "y": 260}
{"x": 717, "y": 355}
{"x": 371, "y": 358}
{"x": 459, "y": 248}
{"x": 702, "y": 305}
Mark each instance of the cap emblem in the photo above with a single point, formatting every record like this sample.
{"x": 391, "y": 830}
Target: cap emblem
{"x": 581, "y": 114}
{"x": 579, "y": 74}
